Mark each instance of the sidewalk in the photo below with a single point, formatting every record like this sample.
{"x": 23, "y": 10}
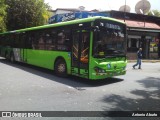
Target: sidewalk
{"x": 145, "y": 60}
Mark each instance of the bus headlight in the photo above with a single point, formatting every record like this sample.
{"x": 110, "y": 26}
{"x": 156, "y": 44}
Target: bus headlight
{"x": 99, "y": 70}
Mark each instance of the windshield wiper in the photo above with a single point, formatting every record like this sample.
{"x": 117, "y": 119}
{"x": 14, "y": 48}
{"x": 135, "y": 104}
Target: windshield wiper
{"x": 121, "y": 55}
{"x": 110, "y": 56}
{"x": 113, "y": 51}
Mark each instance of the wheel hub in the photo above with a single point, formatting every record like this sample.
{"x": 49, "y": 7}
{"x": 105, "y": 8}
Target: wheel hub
{"x": 61, "y": 68}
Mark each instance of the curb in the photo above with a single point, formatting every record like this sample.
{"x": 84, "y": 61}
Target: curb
{"x": 148, "y": 61}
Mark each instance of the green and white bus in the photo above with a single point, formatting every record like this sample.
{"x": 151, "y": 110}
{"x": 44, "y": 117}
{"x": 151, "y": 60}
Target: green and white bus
{"x": 92, "y": 48}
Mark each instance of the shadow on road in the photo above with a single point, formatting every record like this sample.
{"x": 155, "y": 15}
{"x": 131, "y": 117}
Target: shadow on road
{"x": 73, "y": 81}
{"x": 148, "y": 99}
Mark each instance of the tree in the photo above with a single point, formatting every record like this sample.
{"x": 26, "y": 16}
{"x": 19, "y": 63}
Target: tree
{"x": 26, "y": 13}
{"x": 154, "y": 13}
{"x": 3, "y": 14}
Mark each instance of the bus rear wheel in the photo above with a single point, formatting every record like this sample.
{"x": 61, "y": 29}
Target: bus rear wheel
{"x": 60, "y": 68}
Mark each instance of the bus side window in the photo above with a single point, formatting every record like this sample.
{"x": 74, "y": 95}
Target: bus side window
{"x": 50, "y": 39}
{"x": 41, "y": 41}
{"x": 33, "y": 40}
{"x": 2, "y": 40}
{"x": 22, "y": 38}
{"x": 63, "y": 40}
{"x": 10, "y": 38}
{"x": 29, "y": 42}
{"x": 15, "y": 38}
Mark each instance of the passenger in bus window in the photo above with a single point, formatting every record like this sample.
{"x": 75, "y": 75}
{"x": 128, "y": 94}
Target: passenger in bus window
{"x": 61, "y": 38}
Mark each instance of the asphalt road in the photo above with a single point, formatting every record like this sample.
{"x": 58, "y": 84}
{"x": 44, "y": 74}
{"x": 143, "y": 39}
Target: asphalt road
{"x": 28, "y": 88}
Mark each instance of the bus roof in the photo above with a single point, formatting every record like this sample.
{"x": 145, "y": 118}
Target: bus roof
{"x": 90, "y": 19}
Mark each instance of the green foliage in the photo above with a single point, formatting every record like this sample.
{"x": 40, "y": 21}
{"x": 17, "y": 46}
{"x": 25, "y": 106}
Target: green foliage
{"x": 154, "y": 13}
{"x": 3, "y": 14}
{"x": 26, "y": 13}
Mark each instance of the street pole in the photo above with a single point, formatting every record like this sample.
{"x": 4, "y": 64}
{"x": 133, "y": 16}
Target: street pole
{"x": 143, "y": 14}
{"x": 125, "y": 11}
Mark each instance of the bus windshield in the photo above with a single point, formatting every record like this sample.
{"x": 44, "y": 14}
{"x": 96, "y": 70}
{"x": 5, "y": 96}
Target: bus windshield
{"x": 109, "y": 40}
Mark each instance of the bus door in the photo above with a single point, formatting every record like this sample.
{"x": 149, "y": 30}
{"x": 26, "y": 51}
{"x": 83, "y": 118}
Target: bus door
{"x": 23, "y": 47}
{"x": 80, "y": 53}
{"x": 19, "y": 45}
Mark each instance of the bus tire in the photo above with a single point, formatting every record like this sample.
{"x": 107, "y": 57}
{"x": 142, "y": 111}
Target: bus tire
{"x": 60, "y": 68}
{"x": 12, "y": 58}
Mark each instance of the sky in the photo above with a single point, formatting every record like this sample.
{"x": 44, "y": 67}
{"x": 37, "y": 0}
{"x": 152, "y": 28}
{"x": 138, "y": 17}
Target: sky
{"x": 99, "y": 4}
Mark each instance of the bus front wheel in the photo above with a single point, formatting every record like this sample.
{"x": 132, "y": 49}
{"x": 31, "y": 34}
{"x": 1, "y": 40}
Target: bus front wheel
{"x": 60, "y": 68}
